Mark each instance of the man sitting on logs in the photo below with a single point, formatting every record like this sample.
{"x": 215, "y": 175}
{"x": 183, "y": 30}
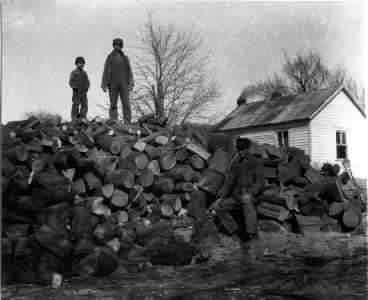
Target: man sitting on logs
{"x": 244, "y": 182}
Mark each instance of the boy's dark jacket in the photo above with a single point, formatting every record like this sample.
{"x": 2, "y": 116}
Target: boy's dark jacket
{"x": 79, "y": 80}
{"x": 117, "y": 70}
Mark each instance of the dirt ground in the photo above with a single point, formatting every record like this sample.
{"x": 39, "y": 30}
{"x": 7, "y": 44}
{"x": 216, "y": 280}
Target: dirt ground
{"x": 276, "y": 266}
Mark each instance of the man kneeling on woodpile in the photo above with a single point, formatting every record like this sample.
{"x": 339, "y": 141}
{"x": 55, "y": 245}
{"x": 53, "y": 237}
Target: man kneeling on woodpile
{"x": 244, "y": 182}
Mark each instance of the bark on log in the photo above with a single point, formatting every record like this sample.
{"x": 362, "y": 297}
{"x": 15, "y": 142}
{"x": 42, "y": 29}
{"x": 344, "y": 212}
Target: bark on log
{"x": 211, "y": 181}
{"x": 163, "y": 185}
{"x": 220, "y": 161}
{"x": 197, "y": 162}
{"x": 273, "y": 211}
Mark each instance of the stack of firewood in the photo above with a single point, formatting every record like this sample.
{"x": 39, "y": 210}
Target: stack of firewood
{"x": 79, "y": 197}
{"x": 76, "y": 192}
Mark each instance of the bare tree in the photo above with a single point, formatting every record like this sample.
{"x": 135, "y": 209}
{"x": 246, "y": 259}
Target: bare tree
{"x": 171, "y": 74}
{"x": 304, "y": 73}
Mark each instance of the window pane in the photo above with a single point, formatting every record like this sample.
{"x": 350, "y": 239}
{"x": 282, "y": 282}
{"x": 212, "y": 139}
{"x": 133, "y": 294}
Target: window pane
{"x": 279, "y": 137}
{"x": 286, "y": 138}
{"x": 343, "y": 138}
{"x": 337, "y": 138}
{"x": 341, "y": 152}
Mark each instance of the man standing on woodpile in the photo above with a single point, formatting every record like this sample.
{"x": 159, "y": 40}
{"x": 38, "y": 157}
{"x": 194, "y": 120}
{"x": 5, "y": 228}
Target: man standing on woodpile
{"x": 243, "y": 184}
{"x": 118, "y": 79}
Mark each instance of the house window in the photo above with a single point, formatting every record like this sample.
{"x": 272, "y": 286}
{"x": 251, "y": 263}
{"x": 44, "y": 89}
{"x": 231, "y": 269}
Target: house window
{"x": 283, "y": 138}
{"x": 341, "y": 145}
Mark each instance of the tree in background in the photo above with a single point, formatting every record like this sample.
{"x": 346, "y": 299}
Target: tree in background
{"x": 303, "y": 73}
{"x": 171, "y": 74}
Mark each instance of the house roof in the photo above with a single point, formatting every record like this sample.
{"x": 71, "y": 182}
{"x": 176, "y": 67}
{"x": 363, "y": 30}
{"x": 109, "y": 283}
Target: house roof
{"x": 282, "y": 109}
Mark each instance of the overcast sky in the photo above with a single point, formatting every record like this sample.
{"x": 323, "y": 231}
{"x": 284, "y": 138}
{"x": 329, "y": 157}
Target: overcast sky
{"x": 246, "y": 40}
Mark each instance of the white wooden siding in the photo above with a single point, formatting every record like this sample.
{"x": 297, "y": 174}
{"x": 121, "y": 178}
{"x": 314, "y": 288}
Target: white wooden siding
{"x": 340, "y": 114}
{"x": 298, "y": 137}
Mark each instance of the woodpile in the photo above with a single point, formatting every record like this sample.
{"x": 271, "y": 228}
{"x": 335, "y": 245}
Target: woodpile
{"x": 79, "y": 198}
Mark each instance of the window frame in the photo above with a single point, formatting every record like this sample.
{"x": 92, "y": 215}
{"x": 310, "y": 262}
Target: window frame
{"x": 283, "y": 138}
{"x": 341, "y": 143}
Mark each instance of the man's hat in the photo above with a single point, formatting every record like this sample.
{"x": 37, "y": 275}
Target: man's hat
{"x": 80, "y": 60}
{"x": 118, "y": 42}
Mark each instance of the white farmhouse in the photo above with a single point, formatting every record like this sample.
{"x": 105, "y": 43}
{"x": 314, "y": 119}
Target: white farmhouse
{"x": 327, "y": 124}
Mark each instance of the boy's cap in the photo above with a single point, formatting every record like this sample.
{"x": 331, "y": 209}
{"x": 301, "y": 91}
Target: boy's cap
{"x": 118, "y": 42}
{"x": 80, "y": 60}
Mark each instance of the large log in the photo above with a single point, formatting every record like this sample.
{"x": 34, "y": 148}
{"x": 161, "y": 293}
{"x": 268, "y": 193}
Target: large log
{"x": 198, "y": 150}
{"x": 141, "y": 161}
{"x": 167, "y": 161}
{"x": 197, "y": 162}
{"x": 121, "y": 178}
{"x": 198, "y": 204}
{"x": 119, "y": 199}
{"x": 351, "y": 217}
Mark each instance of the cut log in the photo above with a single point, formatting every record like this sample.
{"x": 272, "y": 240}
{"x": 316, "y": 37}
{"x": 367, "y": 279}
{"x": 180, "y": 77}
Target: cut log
{"x": 197, "y": 162}
{"x": 146, "y": 178}
{"x": 198, "y": 150}
{"x": 153, "y": 152}
{"x": 119, "y": 199}
{"x": 309, "y": 223}
{"x": 220, "y": 161}
{"x": 273, "y": 211}
{"x": 139, "y": 146}
{"x": 211, "y": 181}
{"x": 336, "y": 209}
{"x": 162, "y": 140}
{"x": 121, "y": 178}
{"x": 92, "y": 181}
{"x": 108, "y": 143}
{"x": 98, "y": 208}
{"x": 141, "y": 161}
{"x": 351, "y": 218}
{"x": 184, "y": 187}
{"x": 182, "y": 173}
{"x": 108, "y": 190}
{"x": 126, "y": 150}
{"x": 163, "y": 185}
{"x": 167, "y": 209}
{"x": 121, "y": 217}
{"x": 154, "y": 166}
{"x": 181, "y": 155}
{"x": 79, "y": 187}
{"x": 86, "y": 139}
{"x": 167, "y": 161}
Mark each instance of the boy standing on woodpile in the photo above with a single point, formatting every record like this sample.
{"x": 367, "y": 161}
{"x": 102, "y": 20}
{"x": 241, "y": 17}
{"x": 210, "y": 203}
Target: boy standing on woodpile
{"x": 241, "y": 187}
{"x": 79, "y": 82}
{"x": 118, "y": 79}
